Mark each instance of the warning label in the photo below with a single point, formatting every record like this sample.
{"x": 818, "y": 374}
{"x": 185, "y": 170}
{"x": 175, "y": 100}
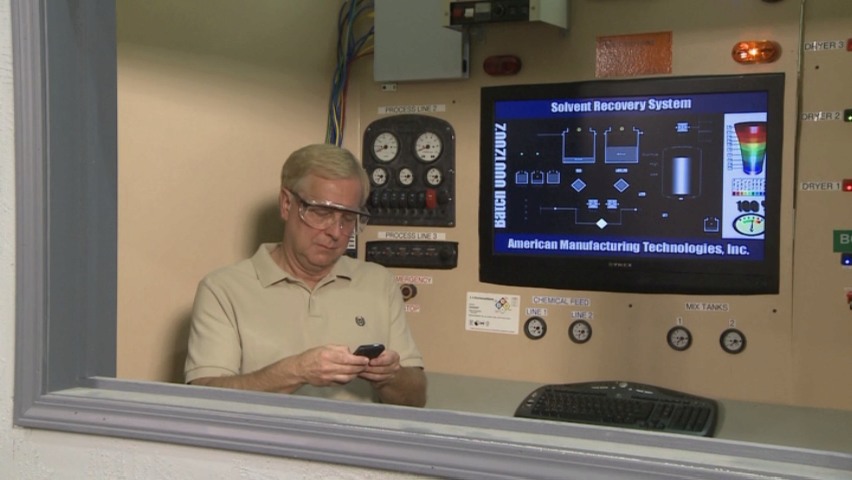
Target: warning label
{"x": 415, "y": 279}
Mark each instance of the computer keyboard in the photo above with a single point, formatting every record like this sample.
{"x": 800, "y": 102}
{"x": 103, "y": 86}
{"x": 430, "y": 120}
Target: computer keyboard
{"x": 623, "y": 404}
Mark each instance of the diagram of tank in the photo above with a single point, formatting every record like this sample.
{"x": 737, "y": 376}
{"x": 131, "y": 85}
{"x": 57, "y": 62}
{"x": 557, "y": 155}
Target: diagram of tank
{"x": 607, "y": 174}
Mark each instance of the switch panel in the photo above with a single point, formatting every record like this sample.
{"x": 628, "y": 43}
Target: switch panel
{"x": 411, "y": 162}
{"x": 427, "y": 254}
{"x": 459, "y": 13}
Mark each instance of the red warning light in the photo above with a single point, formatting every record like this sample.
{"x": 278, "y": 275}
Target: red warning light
{"x": 847, "y": 184}
{"x": 498, "y": 65}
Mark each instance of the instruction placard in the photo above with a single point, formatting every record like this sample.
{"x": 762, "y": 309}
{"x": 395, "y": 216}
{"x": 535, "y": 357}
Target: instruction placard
{"x": 492, "y": 312}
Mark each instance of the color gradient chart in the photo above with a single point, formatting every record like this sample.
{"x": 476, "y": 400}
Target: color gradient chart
{"x": 752, "y": 139}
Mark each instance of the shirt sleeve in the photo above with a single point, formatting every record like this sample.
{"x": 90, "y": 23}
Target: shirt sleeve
{"x": 214, "y": 342}
{"x": 401, "y": 340}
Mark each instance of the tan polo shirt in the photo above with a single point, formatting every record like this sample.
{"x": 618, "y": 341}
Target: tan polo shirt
{"x": 252, "y": 314}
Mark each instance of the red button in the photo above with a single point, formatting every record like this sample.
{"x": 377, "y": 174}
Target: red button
{"x": 431, "y": 198}
{"x": 847, "y": 184}
{"x": 849, "y": 45}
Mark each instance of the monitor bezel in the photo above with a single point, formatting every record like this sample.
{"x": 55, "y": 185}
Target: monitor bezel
{"x": 636, "y": 275}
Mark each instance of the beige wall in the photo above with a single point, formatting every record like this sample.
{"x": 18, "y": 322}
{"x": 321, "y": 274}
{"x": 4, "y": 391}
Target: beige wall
{"x": 212, "y": 98}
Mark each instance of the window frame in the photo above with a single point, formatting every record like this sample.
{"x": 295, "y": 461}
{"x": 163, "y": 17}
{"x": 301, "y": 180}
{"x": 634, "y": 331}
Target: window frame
{"x": 64, "y": 55}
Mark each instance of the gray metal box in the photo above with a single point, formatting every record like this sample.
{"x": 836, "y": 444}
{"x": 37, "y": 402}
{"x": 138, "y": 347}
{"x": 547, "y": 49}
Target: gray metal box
{"x": 410, "y": 43}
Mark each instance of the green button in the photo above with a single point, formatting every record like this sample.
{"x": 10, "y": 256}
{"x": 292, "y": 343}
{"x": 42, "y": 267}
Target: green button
{"x": 843, "y": 241}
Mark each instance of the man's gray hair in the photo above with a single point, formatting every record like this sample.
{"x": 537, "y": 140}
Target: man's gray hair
{"x": 326, "y": 161}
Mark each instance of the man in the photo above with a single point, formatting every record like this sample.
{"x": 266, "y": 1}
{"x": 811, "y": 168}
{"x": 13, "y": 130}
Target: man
{"x": 287, "y": 319}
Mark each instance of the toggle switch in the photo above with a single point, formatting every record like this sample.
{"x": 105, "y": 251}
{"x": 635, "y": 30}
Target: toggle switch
{"x": 431, "y": 198}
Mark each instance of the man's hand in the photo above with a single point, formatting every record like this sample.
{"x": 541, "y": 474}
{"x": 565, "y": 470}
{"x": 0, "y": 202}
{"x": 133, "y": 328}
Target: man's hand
{"x": 382, "y": 368}
{"x": 324, "y": 366}
{"x": 330, "y": 365}
{"x": 395, "y": 384}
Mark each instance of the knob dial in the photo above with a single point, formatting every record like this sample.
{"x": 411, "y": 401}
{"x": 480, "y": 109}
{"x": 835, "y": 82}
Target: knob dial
{"x": 406, "y": 176}
{"x": 379, "y": 176}
{"x": 428, "y": 147}
{"x": 385, "y": 147}
{"x": 535, "y": 328}
{"x": 732, "y": 341}
{"x": 580, "y": 331}
{"x": 434, "y": 176}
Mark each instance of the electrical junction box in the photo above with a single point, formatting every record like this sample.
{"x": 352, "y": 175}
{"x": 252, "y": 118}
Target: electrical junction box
{"x": 410, "y": 44}
{"x": 458, "y": 13}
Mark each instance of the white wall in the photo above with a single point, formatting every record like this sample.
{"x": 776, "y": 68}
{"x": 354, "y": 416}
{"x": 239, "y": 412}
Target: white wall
{"x": 37, "y": 454}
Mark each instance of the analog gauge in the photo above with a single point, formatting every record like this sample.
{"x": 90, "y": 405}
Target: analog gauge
{"x": 580, "y": 331}
{"x": 385, "y": 147}
{"x": 535, "y": 328}
{"x": 406, "y": 176}
{"x": 379, "y": 176}
{"x": 679, "y": 338}
{"x": 750, "y": 224}
{"x": 434, "y": 177}
{"x": 428, "y": 147}
{"x": 732, "y": 341}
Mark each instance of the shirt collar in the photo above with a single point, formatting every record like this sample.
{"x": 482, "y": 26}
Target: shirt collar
{"x": 269, "y": 273}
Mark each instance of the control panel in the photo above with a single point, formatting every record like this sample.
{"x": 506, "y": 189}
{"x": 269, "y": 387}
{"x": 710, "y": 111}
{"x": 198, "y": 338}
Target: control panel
{"x": 419, "y": 254}
{"x": 411, "y": 163}
{"x": 460, "y": 13}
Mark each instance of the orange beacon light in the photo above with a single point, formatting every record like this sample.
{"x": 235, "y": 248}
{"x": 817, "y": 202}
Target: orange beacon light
{"x": 756, "y": 51}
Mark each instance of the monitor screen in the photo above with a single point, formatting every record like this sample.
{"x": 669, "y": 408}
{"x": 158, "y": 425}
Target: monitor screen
{"x": 656, "y": 185}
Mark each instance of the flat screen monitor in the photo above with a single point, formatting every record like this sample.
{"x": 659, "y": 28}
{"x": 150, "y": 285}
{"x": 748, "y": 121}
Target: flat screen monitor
{"x": 655, "y": 185}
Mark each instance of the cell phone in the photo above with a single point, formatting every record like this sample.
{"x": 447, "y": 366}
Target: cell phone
{"x": 370, "y": 350}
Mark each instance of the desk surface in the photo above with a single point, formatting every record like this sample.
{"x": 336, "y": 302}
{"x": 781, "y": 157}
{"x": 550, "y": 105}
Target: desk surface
{"x": 802, "y": 427}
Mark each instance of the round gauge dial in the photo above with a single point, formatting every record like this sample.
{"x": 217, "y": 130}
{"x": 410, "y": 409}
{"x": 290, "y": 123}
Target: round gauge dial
{"x": 385, "y": 147}
{"x": 750, "y": 224}
{"x": 428, "y": 147}
{"x": 406, "y": 176}
{"x": 434, "y": 176}
{"x": 732, "y": 341}
{"x": 580, "y": 331}
{"x": 535, "y": 328}
{"x": 679, "y": 338}
{"x": 379, "y": 176}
